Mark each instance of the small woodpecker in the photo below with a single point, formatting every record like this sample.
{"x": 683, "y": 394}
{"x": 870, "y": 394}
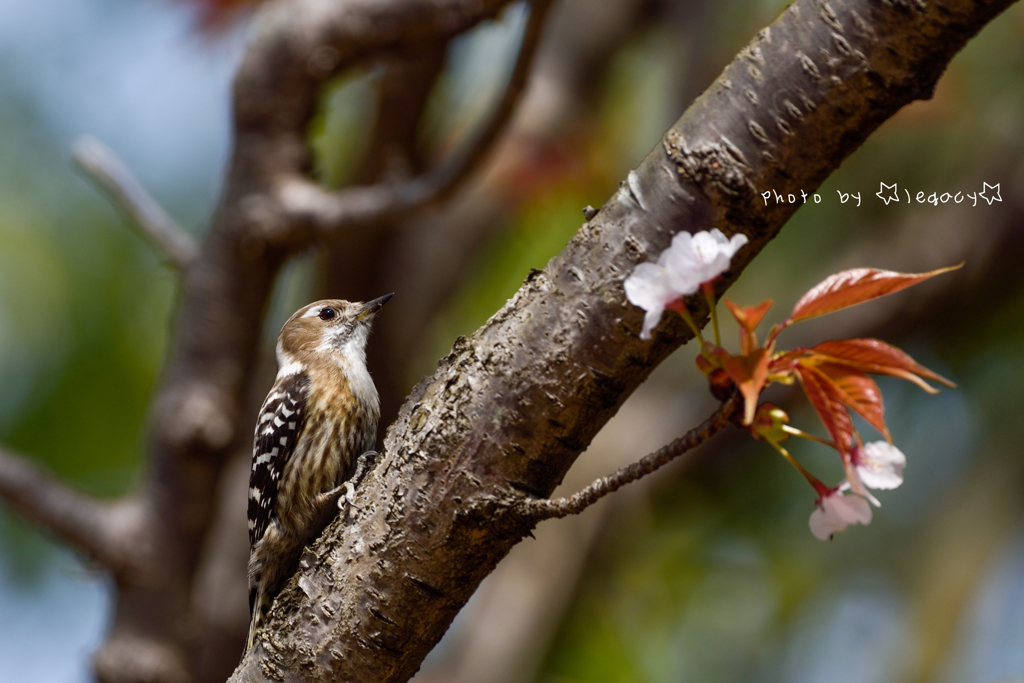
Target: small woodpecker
{"x": 314, "y": 429}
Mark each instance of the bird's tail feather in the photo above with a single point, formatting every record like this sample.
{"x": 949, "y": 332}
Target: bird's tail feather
{"x": 256, "y": 610}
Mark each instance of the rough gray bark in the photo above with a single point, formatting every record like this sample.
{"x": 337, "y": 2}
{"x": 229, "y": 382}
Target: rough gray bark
{"x": 509, "y": 409}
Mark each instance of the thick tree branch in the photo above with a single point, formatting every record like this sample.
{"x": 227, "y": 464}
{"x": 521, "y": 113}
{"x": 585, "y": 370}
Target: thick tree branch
{"x": 307, "y": 202}
{"x": 520, "y": 400}
{"x": 108, "y": 533}
{"x": 168, "y": 239}
{"x": 539, "y": 510}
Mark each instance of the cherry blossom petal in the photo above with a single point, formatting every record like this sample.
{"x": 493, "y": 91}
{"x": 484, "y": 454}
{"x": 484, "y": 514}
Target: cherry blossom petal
{"x": 681, "y": 264}
{"x": 879, "y": 465}
{"x": 700, "y": 257}
{"x": 648, "y": 287}
{"x": 680, "y": 270}
{"x": 714, "y": 251}
{"x": 837, "y": 511}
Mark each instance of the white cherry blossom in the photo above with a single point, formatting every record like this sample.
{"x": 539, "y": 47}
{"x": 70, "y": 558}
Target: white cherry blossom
{"x": 879, "y": 465}
{"x": 701, "y": 257}
{"x": 690, "y": 261}
{"x": 836, "y": 511}
{"x": 648, "y": 287}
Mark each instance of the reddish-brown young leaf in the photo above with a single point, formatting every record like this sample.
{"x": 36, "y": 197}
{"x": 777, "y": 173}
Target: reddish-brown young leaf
{"x": 855, "y": 286}
{"x": 750, "y": 373}
{"x": 827, "y": 403}
{"x": 877, "y": 357}
{"x": 749, "y": 317}
{"x": 859, "y": 392}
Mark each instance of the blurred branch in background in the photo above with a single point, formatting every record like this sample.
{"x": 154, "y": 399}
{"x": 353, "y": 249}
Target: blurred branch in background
{"x": 109, "y": 533}
{"x": 155, "y": 225}
{"x": 307, "y": 202}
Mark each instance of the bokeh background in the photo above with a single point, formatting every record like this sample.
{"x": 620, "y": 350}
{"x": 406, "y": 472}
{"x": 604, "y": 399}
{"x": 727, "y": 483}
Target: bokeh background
{"x": 706, "y": 572}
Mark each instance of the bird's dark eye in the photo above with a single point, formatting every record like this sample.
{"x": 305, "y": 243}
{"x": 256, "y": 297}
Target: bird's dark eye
{"x": 328, "y": 314}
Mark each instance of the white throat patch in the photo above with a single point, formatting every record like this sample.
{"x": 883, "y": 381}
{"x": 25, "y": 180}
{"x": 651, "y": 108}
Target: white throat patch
{"x": 286, "y": 363}
{"x": 351, "y": 357}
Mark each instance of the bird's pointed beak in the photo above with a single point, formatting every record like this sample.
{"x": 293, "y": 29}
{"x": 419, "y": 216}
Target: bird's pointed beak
{"x": 371, "y": 307}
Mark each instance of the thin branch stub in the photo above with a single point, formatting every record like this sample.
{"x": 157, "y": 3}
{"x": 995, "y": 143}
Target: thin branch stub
{"x": 171, "y": 242}
{"x": 105, "y": 531}
{"x": 539, "y": 510}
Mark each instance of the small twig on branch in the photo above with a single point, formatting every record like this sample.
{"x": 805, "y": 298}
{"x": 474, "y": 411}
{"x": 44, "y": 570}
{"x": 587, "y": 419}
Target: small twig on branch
{"x": 563, "y": 507}
{"x": 171, "y": 242}
{"x": 307, "y": 201}
{"x": 102, "y": 530}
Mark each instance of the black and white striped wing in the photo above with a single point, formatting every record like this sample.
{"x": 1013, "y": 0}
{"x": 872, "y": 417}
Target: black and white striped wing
{"x": 277, "y": 430}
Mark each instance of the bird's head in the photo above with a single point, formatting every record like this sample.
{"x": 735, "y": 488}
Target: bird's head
{"x": 331, "y": 327}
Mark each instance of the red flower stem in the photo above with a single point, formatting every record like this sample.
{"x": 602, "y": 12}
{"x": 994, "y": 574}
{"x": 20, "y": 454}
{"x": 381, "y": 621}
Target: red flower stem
{"x": 815, "y": 483}
{"x": 776, "y": 331}
{"x": 680, "y": 307}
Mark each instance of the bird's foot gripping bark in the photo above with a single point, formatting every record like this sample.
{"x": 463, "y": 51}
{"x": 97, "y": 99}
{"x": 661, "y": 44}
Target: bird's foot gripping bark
{"x": 345, "y": 494}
